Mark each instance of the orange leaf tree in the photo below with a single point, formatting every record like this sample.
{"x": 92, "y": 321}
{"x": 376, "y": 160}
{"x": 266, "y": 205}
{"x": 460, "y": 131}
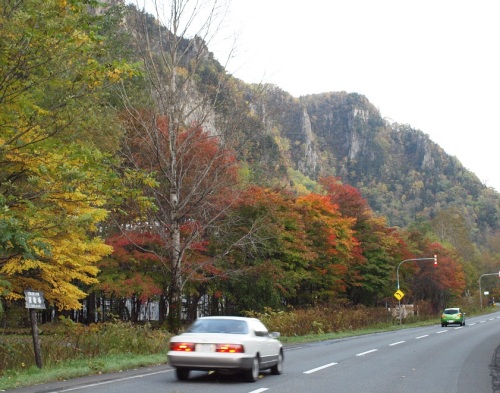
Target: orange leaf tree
{"x": 380, "y": 247}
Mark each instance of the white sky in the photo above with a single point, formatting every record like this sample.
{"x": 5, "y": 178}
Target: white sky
{"x": 432, "y": 64}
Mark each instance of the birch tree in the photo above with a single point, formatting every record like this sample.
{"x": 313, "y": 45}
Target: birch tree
{"x": 176, "y": 135}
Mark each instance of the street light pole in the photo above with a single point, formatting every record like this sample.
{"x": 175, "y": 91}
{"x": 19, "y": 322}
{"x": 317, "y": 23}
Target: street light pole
{"x": 479, "y": 282}
{"x": 397, "y": 277}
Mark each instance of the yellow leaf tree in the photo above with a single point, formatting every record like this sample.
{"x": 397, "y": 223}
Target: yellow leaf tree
{"x": 54, "y": 126}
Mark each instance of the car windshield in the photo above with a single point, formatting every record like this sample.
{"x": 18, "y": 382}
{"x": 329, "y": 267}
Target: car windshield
{"x": 229, "y": 326}
{"x": 451, "y": 311}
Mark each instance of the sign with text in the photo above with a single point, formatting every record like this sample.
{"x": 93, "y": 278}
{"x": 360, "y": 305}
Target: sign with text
{"x": 34, "y": 299}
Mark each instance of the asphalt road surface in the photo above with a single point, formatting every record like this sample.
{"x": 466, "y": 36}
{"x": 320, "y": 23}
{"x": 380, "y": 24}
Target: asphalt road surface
{"x": 416, "y": 360}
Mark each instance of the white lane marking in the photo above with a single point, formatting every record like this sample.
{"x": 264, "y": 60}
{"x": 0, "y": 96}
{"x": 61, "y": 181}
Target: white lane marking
{"x": 419, "y": 337}
{"x": 319, "y": 368}
{"x": 91, "y": 385}
{"x": 482, "y": 321}
{"x": 399, "y": 342}
{"x": 367, "y": 352}
{"x": 492, "y": 319}
{"x": 441, "y": 331}
{"x": 458, "y": 327}
{"x": 472, "y": 324}
{"x": 259, "y": 390}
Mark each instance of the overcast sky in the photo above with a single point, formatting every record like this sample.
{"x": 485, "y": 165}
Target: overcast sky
{"x": 432, "y": 64}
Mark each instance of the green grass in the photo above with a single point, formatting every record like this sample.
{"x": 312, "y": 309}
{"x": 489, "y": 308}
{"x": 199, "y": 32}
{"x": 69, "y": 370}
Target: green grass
{"x": 78, "y": 368}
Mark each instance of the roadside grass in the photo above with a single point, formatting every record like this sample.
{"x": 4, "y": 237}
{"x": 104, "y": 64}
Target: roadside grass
{"x": 78, "y": 368}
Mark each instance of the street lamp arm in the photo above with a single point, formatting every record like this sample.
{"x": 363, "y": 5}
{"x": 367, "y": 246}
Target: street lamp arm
{"x": 397, "y": 277}
{"x": 409, "y": 260}
{"x": 479, "y": 282}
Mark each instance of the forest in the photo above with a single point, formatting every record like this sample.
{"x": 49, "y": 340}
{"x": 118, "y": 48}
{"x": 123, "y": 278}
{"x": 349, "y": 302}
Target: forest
{"x": 135, "y": 171}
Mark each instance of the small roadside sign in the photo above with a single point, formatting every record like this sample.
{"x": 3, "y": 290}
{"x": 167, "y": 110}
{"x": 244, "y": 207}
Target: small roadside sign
{"x": 34, "y": 299}
{"x": 399, "y": 294}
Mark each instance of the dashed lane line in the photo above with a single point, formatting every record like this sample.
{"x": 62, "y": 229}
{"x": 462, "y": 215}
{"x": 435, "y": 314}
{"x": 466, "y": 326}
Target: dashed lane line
{"x": 319, "y": 368}
{"x": 367, "y": 352}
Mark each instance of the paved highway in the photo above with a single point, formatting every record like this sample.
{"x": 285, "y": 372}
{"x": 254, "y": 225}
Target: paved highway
{"x": 429, "y": 359}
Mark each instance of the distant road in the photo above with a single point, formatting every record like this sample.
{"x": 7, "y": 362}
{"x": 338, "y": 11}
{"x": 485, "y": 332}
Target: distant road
{"x": 417, "y": 360}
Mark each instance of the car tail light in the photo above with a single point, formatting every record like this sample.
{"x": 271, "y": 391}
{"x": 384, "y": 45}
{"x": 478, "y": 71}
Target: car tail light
{"x": 229, "y": 348}
{"x": 183, "y": 347}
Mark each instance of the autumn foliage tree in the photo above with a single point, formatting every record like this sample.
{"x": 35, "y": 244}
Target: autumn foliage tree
{"x": 439, "y": 283}
{"x": 380, "y": 247}
{"x": 299, "y": 251}
{"x": 190, "y": 188}
{"x": 182, "y": 142}
{"x": 53, "y": 180}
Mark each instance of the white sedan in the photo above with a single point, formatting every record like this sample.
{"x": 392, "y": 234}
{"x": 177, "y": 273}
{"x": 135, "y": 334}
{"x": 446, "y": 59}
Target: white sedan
{"x": 226, "y": 344}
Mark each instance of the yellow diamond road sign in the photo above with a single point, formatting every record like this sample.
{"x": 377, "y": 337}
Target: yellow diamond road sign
{"x": 399, "y": 294}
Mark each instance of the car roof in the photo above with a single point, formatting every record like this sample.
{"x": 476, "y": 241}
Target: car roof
{"x": 229, "y": 317}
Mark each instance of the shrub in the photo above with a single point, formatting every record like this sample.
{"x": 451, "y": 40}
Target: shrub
{"x": 67, "y": 340}
{"x": 318, "y": 320}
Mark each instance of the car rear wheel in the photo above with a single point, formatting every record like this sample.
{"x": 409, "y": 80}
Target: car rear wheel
{"x": 182, "y": 373}
{"x": 253, "y": 374}
{"x": 277, "y": 369}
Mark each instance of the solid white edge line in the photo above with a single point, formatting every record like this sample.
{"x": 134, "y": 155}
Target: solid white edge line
{"x": 367, "y": 352}
{"x": 399, "y": 342}
{"x": 319, "y": 368}
{"x": 90, "y": 385}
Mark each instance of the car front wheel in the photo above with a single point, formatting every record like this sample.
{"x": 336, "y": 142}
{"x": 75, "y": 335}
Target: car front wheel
{"x": 277, "y": 369}
{"x": 253, "y": 374}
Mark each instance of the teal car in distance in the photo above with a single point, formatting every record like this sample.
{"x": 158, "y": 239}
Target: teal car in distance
{"x": 452, "y": 316}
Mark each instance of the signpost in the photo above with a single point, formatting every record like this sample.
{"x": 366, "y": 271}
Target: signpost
{"x": 399, "y": 294}
{"x": 35, "y": 301}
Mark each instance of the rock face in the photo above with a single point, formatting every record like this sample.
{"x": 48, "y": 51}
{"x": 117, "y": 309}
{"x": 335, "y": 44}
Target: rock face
{"x": 398, "y": 169}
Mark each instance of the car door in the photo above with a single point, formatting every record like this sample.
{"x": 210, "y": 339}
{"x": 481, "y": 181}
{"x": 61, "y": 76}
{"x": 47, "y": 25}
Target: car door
{"x": 267, "y": 347}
